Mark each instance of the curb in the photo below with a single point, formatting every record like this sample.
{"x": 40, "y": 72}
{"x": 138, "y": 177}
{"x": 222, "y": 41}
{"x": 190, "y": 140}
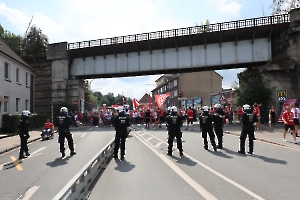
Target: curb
{"x": 18, "y": 146}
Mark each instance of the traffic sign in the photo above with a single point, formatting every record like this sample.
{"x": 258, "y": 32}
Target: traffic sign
{"x": 281, "y": 95}
{"x": 222, "y": 98}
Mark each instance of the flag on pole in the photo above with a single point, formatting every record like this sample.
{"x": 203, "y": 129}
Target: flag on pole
{"x": 135, "y": 103}
{"x": 149, "y": 104}
{"x": 160, "y": 98}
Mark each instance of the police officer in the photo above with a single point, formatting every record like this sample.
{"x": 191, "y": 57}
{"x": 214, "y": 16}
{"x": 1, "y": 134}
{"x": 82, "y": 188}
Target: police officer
{"x": 248, "y": 119}
{"x": 121, "y": 123}
{"x": 174, "y": 122}
{"x": 63, "y": 122}
{"x": 24, "y": 133}
{"x": 206, "y": 126}
{"x": 218, "y": 116}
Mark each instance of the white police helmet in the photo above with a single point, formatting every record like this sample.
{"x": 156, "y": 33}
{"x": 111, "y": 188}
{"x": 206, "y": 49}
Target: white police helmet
{"x": 217, "y": 105}
{"x": 246, "y": 107}
{"x": 26, "y": 113}
{"x": 205, "y": 108}
{"x": 174, "y": 109}
{"x": 64, "y": 110}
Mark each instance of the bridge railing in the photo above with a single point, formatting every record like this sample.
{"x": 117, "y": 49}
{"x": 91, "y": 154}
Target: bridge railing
{"x": 224, "y": 26}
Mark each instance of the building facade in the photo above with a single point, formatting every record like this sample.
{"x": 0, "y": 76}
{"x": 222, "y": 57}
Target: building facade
{"x": 15, "y": 83}
{"x": 189, "y": 89}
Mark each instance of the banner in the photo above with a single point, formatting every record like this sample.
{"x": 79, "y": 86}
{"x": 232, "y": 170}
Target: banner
{"x": 135, "y": 103}
{"x": 160, "y": 98}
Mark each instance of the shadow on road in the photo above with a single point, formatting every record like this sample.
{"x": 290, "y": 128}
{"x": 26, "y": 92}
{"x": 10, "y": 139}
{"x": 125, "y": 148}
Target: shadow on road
{"x": 233, "y": 152}
{"x": 184, "y": 160}
{"x": 124, "y": 166}
{"x": 270, "y": 160}
{"x": 220, "y": 154}
{"x": 58, "y": 162}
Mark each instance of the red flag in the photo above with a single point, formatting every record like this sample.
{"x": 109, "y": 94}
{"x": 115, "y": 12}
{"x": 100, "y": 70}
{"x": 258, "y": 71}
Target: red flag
{"x": 135, "y": 103}
{"x": 149, "y": 104}
{"x": 160, "y": 98}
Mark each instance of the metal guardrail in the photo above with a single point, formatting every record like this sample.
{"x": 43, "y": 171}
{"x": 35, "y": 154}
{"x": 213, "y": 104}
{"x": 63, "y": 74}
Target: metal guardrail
{"x": 233, "y": 25}
{"x": 77, "y": 188}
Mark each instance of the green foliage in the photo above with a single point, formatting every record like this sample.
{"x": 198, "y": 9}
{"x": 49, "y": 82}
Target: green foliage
{"x": 15, "y": 42}
{"x": 35, "y": 42}
{"x": 104, "y": 100}
{"x": 38, "y": 120}
{"x": 252, "y": 90}
{"x": 10, "y": 123}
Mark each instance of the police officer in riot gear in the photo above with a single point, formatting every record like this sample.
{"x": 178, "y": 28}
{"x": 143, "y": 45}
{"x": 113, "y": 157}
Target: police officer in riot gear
{"x": 121, "y": 123}
{"x": 206, "y": 126}
{"x": 248, "y": 119}
{"x": 174, "y": 122}
{"x": 23, "y": 127}
{"x": 63, "y": 122}
{"x": 218, "y": 116}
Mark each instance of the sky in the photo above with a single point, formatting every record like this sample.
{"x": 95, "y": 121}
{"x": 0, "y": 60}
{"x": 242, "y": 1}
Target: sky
{"x": 78, "y": 20}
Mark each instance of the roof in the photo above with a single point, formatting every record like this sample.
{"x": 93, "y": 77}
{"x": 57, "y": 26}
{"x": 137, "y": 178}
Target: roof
{"x": 6, "y": 50}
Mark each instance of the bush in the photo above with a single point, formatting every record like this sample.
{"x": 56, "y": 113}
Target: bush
{"x": 10, "y": 122}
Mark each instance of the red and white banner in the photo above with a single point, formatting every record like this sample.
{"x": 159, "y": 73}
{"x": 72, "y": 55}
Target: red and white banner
{"x": 160, "y": 98}
{"x": 135, "y": 103}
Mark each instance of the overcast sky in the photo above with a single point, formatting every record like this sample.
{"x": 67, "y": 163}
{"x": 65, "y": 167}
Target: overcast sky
{"x": 78, "y": 20}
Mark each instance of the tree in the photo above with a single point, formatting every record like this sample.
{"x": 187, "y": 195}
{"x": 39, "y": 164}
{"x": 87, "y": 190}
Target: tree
{"x": 284, "y": 6}
{"x": 1, "y": 32}
{"x": 98, "y": 95}
{"x": 35, "y": 42}
{"x": 104, "y": 100}
{"x": 252, "y": 90}
{"x": 15, "y": 42}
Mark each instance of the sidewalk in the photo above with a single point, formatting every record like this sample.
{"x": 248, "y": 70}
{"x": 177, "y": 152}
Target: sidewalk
{"x": 9, "y": 142}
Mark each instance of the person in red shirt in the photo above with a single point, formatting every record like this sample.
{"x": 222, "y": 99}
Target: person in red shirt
{"x": 240, "y": 112}
{"x": 190, "y": 118}
{"x": 49, "y": 125}
{"x": 257, "y": 112}
{"x": 288, "y": 120}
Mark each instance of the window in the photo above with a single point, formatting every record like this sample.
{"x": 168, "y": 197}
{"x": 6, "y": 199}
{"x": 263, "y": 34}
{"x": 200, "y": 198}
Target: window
{"x": 17, "y": 75}
{"x": 5, "y": 105}
{"x": 6, "y": 71}
{"x": 175, "y": 93}
{"x": 17, "y": 104}
{"x": 26, "y": 104}
{"x": 175, "y": 82}
{"x": 27, "y": 79}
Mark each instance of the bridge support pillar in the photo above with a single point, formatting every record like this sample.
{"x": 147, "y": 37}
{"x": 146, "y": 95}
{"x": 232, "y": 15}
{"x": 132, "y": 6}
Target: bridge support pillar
{"x": 64, "y": 89}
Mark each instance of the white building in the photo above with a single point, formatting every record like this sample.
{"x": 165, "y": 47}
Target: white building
{"x": 15, "y": 83}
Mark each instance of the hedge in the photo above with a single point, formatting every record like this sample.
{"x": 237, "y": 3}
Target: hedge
{"x": 10, "y": 122}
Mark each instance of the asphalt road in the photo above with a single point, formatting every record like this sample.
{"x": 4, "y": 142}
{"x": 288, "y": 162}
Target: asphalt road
{"x": 148, "y": 173}
{"x": 44, "y": 173}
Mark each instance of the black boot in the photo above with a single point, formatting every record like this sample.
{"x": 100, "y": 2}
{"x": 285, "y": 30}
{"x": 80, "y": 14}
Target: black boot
{"x": 27, "y": 153}
{"x": 22, "y": 156}
{"x": 73, "y": 153}
{"x": 63, "y": 154}
{"x": 181, "y": 153}
{"x": 215, "y": 148}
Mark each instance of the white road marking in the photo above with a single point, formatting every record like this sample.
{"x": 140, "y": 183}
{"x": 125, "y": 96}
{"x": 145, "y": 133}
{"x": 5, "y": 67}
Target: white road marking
{"x": 158, "y": 144}
{"x": 144, "y": 134}
{"x": 149, "y": 138}
{"x": 40, "y": 149}
{"x": 181, "y": 173}
{"x": 84, "y": 134}
{"x": 30, "y": 192}
{"x": 214, "y": 172}
{"x": 90, "y": 129}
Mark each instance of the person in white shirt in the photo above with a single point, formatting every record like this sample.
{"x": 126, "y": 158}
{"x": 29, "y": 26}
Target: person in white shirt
{"x": 295, "y": 112}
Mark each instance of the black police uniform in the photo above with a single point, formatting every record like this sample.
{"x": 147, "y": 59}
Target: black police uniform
{"x": 174, "y": 122}
{"x": 121, "y": 122}
{"x": 147, "y": 118}
{"x": 63, "y": 122}
{"x": 206, "y": 126}
{"x": 218, "y": 126}
{"x": 248, "y": 119}
{"x": 24, "y": 135}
